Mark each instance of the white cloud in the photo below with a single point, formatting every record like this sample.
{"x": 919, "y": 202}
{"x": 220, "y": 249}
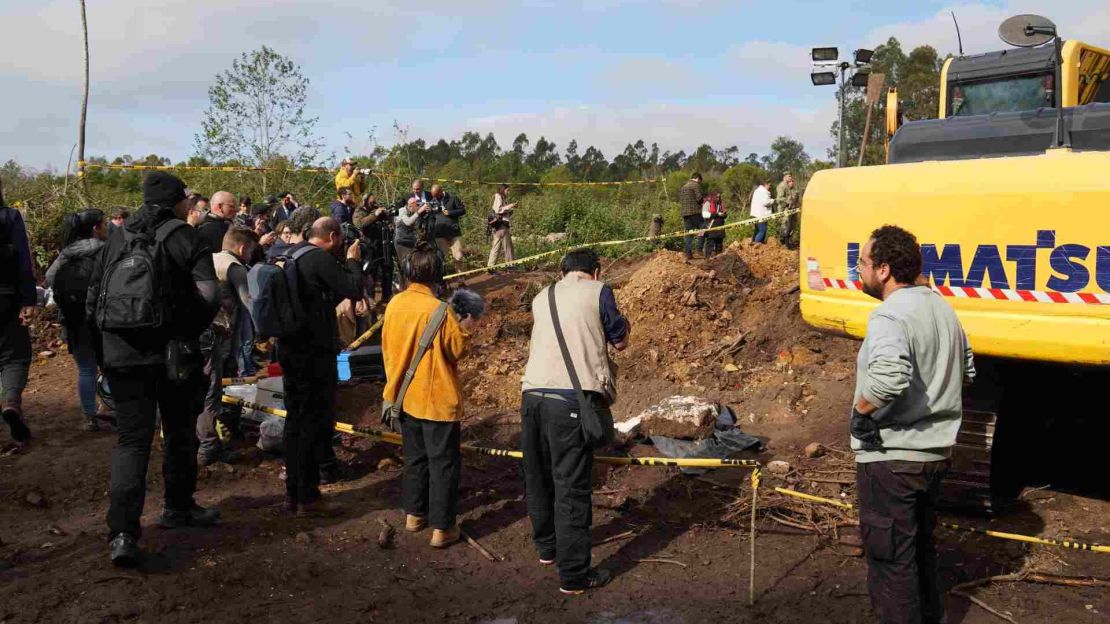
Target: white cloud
{"x": 1077, "y": 19}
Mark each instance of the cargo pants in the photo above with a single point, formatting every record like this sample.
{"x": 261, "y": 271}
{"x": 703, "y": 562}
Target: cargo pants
{"x": 897, "y": 503}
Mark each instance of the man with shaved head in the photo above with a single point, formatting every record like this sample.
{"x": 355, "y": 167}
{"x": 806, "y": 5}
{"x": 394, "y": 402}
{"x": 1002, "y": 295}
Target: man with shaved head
{"x": 221, "y": 213}
{"x": 308, "y": 361}
{"x": 448, "y": 233}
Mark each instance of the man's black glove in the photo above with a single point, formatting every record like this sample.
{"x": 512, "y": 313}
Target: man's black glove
{"x": 866, "y": 430}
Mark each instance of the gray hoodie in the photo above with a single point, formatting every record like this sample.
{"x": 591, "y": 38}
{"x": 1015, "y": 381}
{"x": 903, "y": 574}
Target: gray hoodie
{"x": 912, "y": 366}
{"x": 83, "y": 248}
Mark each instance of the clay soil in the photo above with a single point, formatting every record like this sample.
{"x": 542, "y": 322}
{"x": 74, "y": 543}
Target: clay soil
{"x": 727, "y": 329}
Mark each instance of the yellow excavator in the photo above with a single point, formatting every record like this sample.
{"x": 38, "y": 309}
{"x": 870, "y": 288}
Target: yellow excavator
{"x": 1008, "y": 193}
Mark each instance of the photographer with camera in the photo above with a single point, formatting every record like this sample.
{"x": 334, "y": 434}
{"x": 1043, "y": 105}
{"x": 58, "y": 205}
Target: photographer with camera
{"x": 376, "y": 227}
{"x": 407, "y": 224}
{"x": 448, "y": 210}
{"x": 349, "y": 177}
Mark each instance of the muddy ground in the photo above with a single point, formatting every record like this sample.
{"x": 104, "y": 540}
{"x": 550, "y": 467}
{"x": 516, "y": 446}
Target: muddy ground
{"x": 727, "y": 329}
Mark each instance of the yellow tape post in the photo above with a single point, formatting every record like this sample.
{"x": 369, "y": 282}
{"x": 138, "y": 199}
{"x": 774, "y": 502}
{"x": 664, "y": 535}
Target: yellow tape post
{"x": 956, "y": 527}
{"x": 640, "y": 239}
{"x": 394, "y": 438}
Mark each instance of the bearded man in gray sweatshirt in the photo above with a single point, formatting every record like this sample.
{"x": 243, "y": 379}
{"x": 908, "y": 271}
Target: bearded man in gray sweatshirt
{"x": 910, "y": 374}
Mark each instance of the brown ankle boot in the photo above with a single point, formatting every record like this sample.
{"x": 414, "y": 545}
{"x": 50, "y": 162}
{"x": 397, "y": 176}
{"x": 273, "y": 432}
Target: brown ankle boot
{"x": 415, "y": 524}
{"x": 442, "y": 538}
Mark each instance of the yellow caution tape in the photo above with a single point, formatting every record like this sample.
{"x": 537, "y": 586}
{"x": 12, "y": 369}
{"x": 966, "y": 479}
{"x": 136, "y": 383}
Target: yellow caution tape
{"x": 82, "y": 166}
{"x": 956, "y": 527}
{"x": 641, "y": 239}
{"x": 394, "y": 438}
{"x": 235, "y": 381}
{"x": 1032, "y": 540}
{"x": 366, "y": 336}
{"x": 815, "y": 499}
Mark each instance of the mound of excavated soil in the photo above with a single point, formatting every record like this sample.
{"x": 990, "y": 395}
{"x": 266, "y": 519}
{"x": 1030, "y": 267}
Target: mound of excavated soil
{"x": 730, "y": 328}
{"x": 727, "y": 329}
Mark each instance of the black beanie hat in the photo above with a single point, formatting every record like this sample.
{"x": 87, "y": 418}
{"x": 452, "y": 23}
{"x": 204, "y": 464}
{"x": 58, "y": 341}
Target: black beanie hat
{"x": 163, "y": 189}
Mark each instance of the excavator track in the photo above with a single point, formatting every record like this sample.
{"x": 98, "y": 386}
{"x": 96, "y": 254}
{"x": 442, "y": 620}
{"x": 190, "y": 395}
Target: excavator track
{"x": 968, "y": 484}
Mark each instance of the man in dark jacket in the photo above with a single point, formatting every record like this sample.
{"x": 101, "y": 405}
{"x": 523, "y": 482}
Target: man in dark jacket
{"x": 689, "y": 202}
{"x": 17, "y": 298}
{"x": 343, "y": 208}
{"x": 449, "y": 209}
{"x": 157, "y": 370}
{"x": 308, "y": 363}
{"x": 373, "y": 222}
{"x": 218, "y": 220}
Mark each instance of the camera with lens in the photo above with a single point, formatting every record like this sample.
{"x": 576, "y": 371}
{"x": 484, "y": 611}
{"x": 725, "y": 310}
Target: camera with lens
{"x": 351, "y": 234}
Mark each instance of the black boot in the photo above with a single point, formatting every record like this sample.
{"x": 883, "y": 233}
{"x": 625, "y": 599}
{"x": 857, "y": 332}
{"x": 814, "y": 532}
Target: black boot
{"x": 123, "y": 550}
{"x": 196, "y": 516}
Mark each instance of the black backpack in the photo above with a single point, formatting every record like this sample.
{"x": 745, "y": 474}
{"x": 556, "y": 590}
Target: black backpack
{"x": 71, "y": 288}
{"x": 135, "y": 288}
{"x": 9, "y": 270}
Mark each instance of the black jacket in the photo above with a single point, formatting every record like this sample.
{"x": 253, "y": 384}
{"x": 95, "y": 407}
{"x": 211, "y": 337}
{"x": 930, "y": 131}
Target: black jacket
{"x": 324, "y": 283}
{"x": 192, "y": 286}
{"x": 450, "y": 210}
{"x": 212, "y": 231}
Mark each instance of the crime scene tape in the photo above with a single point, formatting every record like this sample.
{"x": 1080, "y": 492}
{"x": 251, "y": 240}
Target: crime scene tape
{"x": 640, "y": 239}
{"x": 235, "y": 381}
{"x": 366, "y": 335}
{"x": 394, "y": 438}
{"x": 82, "y": 166}
{"x": 956, "y": 527}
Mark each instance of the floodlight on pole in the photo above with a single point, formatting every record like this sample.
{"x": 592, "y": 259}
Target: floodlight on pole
{"x": 863, "y": 56}
{"x": 859, "y": 79}
{"x": 823, "y": 78}
{"x": 824, "y": 55}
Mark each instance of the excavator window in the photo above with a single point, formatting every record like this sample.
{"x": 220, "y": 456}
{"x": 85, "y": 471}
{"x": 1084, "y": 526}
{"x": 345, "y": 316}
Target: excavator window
{"x": 1014, "y": 93}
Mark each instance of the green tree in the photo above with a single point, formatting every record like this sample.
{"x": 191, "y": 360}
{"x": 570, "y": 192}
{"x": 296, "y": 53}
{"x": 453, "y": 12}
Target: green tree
{"x": 256, "y": 110}
{"x": 916, "y": 76}
{"x": 786, "y": 155}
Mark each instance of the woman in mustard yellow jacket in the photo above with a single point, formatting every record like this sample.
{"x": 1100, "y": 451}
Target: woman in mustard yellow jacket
{"x": 432, "y": 405}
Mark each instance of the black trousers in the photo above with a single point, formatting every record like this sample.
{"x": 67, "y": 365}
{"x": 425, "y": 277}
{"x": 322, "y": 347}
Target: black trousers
{"x": 15, "y": 362}
{"x": 693, "y": 222}
{"x": 557, "y": 467}
{"x": 433, "y": 466}
{"x": 897, "y": 501}
{"x": 140, "y": 394}
{"x": 310, "y": 382}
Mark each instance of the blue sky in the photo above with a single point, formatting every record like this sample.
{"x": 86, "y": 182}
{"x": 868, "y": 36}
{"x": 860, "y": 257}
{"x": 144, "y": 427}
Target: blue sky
{"x": 677, "y": 72}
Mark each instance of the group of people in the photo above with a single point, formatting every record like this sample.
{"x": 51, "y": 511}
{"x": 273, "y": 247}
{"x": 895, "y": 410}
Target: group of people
{"x": 433, "y": 216}
{"x": 701, "y": 211}
{"x": 160, "y": 299}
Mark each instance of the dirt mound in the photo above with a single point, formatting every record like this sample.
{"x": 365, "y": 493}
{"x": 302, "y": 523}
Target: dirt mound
{"x": 729, "y": 328}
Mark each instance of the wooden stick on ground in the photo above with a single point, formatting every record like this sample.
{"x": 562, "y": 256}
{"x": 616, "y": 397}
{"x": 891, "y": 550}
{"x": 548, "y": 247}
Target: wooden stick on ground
{"x": 481, "y": 549}
{"x": 613, "y": 538}
{"x": 1005, "y": 616}
{"x": 671, "y": 561}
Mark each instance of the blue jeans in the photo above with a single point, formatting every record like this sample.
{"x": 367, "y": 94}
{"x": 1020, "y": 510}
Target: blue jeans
{"x": 85, "y": 358}
{"x": 693, "y": 222}
{"x": 244, "y": 345}
{"x": 760, "y": 233}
